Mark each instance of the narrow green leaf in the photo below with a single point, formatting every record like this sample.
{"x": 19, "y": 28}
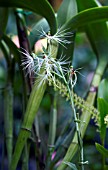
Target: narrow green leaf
{"x": 82, "y": 4}
{"x": 85, "y": 17}
{"x": 71, "y": 165}
{"x": 67, "y": 10}
{"x": 5, "y": 51}
{"x": 102, "y": 150}
{"x": 93, "y": 16}
{"x": 3, "y": 20}
{"x": 103, "y": 90}
{"x": 42, "y": 8}
{"x": 98, "y": 41}
{"x": 8, "y": 119}
{"x": 103, "y": 109}
{"x": 12, "y": 48}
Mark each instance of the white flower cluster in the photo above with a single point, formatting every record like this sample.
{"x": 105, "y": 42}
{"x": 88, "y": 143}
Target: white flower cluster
{"x": 46, "y": 67}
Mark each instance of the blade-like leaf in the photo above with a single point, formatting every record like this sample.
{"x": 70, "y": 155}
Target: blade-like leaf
{"x": 67, "y": 10}
{"x": 98, "y": 41}
{"x": 12, "y": 47}
{"x": 103, "y": 90}
{"x": 90, "y": 16}
{"x": 42, "y": 8}
{"x": 82, "y": 5}
{"x": 85, "y": 17}
{"x": 103, "y": 109}
{"x": 102, "y": 150}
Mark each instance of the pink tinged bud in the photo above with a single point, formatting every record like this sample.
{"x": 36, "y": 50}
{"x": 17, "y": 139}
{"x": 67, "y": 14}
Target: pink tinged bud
{"x": 53, "y": 155}
{"x": 38, "y": 48}
{"x": 16, "y": 40}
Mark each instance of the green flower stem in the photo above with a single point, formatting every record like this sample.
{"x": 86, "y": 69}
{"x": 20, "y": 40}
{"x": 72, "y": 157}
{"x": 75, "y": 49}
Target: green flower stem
{"x": 8, "y": 120}
{"x": 25, "y": 156}
{"x": 79, "y": 139}
{"x": 52, "y": 131}
{"x": 24, "y": 43}
{"x": 8, "y": 102}
{"x": 53, "y": 122}
{"x": 85, "y": 115}
{"x": 32, "y": 107}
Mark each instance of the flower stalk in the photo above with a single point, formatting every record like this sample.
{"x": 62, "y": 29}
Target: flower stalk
{"x": 80, "y": 142}
{"x": 52, "y": 132}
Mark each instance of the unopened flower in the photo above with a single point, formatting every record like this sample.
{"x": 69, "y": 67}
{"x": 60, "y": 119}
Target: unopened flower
{"x": 38, "y": 48}
{"x": 73, "y": 76}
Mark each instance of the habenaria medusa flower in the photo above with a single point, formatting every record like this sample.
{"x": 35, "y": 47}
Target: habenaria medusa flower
{"x": 60, "y": 36}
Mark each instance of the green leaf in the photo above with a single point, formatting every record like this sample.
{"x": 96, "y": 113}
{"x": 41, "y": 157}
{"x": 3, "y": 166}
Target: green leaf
{"x": 41, "y": 7}
{"x": 8, "y": 119}
{"x": 67, "y": 10}
{"x": 3, "y": 20}
{"x": 103, "y": 109}
{"x": 92, "y": 16}
{"x": 98, "y": 41}
{"x": 85, "y": 17}
{"x": 71, "y": 165}
{"x": 82, "y": 4}
{"x": 102, "y": 150}
{"x": 13, "y": 48}
{"x": 103, "y": 90}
